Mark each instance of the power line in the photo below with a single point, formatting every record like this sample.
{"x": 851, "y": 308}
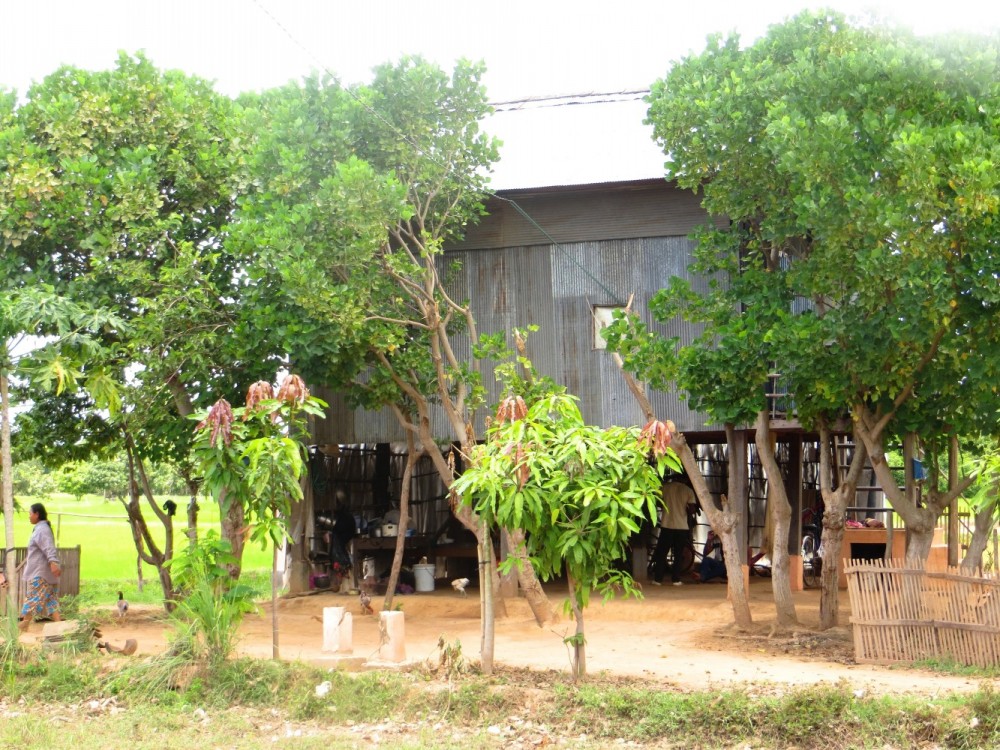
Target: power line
{"x": 569, "y": 100}
{"x": 588, "y": 95}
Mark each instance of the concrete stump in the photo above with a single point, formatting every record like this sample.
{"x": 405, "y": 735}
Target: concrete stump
{"x": 393, "y": 635}
{"x": 338, "y": 630}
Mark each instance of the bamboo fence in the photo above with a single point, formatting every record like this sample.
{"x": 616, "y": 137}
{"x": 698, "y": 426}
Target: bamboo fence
{"x": 904, "y": 613}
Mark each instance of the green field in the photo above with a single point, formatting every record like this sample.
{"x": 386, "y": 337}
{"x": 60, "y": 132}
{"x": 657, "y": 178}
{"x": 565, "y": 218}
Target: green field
{"x": 108, "y": 557}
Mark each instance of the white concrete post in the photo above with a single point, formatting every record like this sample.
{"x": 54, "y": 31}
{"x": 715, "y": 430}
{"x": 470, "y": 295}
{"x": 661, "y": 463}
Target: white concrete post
{"x": 393, "y": 635}
{"x": 338, "y": 630}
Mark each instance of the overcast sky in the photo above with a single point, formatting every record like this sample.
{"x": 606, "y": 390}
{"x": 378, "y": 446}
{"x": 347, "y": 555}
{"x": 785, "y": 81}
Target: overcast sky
{"x": 530, "y": 48}
{"x": 533, "y": 48}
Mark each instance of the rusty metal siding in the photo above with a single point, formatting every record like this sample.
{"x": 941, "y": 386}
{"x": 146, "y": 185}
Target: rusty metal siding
{"x": 508, "y": 288}
{"x": 554, "y": 286}
{"x": 608, "y": 273}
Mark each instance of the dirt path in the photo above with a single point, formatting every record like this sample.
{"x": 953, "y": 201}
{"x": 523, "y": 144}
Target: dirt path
{"x": 676, "y": 636}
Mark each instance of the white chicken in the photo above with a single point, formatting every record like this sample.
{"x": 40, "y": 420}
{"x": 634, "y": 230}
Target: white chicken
{"x": 122, "y": 606}
{"x": 459, "y": 585}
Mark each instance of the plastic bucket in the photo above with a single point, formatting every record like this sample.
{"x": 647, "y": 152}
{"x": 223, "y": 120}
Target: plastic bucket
{"x": 424, "y": 575}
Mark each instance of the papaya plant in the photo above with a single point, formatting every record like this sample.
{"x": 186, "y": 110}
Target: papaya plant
{"x": 250, "y": 457}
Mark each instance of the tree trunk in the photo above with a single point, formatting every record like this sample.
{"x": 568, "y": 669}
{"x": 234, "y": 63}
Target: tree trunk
{"x": 526, "y": 576}
{"x": 296, "y": 549}
{"x": 984, "y": 525}
{"x": 192, "y": 511}
{"x": 7, "y": 466}
{"x": 724, "y": 523}
{"x": 145, "y": 546}
{"x": 835, "y": 504}
{"x": 487, "y": 578}
{"x": 537, "y": 600}
{"x": 275, "y": 649}
{"x": 233, "y": 525}
{"x": 404, "y": 519}
{"x": 149, "y": 552}
{"x": 781, "y": 514}
{"x": 578, "y": 660}
{"x": 464, "y": 513}
{"x": 920, "y": 520}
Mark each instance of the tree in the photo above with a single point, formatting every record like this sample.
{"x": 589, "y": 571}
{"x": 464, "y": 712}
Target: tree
{"x": 358, "y": 190}
{"x": 32, "y": 478}
{"x": 116, "y": 188}
{"x": 863, "y": 160}
{"x": 578, "y": 492}
{"x": 99, "y": 476}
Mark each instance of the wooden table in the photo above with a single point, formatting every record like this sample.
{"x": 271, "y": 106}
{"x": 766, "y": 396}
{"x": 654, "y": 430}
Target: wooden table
{"x": 415, "y": 547}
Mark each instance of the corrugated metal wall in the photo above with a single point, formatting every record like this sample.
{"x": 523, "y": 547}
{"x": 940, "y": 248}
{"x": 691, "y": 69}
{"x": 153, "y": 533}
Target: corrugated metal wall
{"x": 623, "y": 240}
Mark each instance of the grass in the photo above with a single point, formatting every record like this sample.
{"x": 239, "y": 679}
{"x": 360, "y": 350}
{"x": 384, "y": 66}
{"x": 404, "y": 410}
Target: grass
{"x": 108, "y": 559}
{"x": 86, "y": 701}
{"x": 950, "y": 666}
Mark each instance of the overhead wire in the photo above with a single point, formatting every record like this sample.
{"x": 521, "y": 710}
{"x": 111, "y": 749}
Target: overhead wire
{"x": 489, "y": 193}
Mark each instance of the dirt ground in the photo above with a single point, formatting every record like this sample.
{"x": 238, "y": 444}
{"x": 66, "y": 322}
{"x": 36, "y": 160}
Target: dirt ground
{"x": 676, "y": 637}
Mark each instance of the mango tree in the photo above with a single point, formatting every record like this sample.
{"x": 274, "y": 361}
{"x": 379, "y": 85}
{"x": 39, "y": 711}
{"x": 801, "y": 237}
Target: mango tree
{"x": 863, "y": 163}
{"x": 579, "y": 493}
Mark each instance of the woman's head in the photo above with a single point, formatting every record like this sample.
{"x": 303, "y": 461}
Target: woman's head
{"x": 38, "y": 510}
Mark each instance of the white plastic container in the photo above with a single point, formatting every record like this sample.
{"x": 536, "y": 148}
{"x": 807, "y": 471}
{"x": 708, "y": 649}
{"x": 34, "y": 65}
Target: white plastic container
{"x": 424, "y": 575}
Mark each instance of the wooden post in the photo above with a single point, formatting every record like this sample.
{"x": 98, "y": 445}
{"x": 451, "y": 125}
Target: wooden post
{"x": 738, "y": 492}
{"x": 793, "y": 488}
{"x": 953, "y": 531}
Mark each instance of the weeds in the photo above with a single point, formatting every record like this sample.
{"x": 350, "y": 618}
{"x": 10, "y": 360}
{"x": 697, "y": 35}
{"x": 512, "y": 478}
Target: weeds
{"x": 366, "y": 696}
{"x": 980, "y": 724}
{"x": 951, "y": 666}
{"x": 174, "y": 690}
{"x": 11, "y": 650}
{"x": 451, "y": 663}
{"x": 212, "y": 608}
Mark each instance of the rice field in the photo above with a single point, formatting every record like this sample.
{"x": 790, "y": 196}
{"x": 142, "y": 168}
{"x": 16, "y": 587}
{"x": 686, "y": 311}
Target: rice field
{"x": 108, "y": 556}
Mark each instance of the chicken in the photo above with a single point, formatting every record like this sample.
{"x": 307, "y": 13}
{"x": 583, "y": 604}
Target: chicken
{"x": 122, "y": 606}
{"x": 366, "y": 603}
{"x": 459, "y": 585}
